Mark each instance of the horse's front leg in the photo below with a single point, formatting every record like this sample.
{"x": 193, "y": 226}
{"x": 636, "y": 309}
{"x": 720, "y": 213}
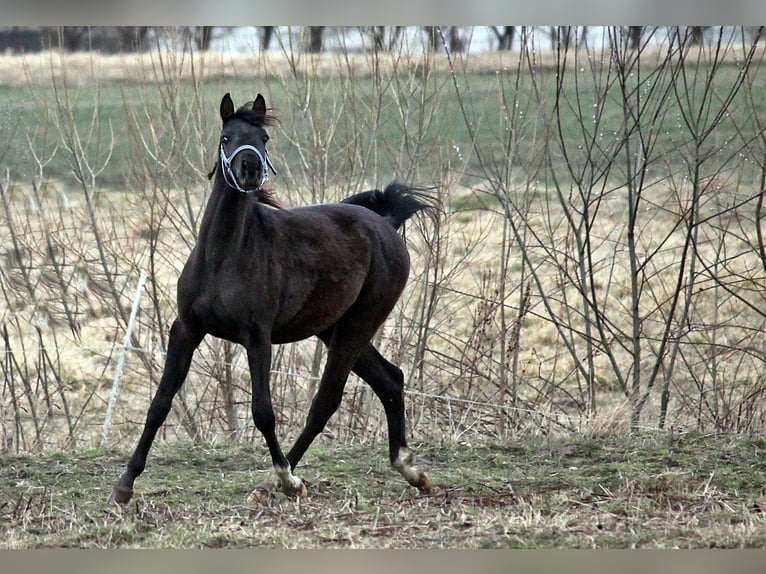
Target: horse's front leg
{"x": 181, "y": 345}
{"x": 259, "y": 360}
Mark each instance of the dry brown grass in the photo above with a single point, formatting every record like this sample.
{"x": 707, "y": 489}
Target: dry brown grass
{"x": 464, "y": 332}
{"x": 87, "y": 68}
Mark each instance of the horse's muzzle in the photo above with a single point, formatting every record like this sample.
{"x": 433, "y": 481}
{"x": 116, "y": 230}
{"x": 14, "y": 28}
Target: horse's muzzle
{"x": 249, "y": 170}
{"x": 246, "y": 168}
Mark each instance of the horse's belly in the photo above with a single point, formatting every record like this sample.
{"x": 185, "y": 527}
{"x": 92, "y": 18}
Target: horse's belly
{"x": 326, "y": 304}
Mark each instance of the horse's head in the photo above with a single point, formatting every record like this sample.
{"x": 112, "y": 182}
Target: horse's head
{"x": 244, "y": 160}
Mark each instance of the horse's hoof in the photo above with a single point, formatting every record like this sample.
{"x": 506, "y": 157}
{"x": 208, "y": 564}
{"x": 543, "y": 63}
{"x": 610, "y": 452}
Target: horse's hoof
{"x": 260, "y": 495}
{"x": 293, "y": 490}
{"x": 424, "y": 484}
{"x": 119, "y": 495}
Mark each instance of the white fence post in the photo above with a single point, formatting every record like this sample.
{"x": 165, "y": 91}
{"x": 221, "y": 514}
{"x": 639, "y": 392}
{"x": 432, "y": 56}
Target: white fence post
{"x": 121, "y": 361}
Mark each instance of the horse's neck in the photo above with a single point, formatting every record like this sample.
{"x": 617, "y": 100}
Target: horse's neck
{"x": 222, "y": 221}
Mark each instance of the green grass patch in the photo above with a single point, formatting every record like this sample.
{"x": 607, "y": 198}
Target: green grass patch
{"x": 693, "y": 492}
{"x": 388, "y": 121}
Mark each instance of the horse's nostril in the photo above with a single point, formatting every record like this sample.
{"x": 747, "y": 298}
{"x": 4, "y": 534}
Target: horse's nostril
{"x": 251, "y": 164}
{"x": 250, "y": 167}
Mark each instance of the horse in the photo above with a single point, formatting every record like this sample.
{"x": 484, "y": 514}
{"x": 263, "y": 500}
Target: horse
{"x": 260, "y": 274}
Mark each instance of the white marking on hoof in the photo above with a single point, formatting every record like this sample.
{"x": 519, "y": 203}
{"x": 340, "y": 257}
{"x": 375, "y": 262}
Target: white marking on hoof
{"x": 416, "y": 477}
{"x": 291, "y": 484}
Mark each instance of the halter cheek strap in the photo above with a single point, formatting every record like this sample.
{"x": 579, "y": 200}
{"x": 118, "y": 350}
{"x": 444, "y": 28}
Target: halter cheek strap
{"x": 231, "y": 178}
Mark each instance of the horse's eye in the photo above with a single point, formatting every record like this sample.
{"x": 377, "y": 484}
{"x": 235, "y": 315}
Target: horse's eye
{"x": 224, "y": 139}
{"x": 265, "y": 138}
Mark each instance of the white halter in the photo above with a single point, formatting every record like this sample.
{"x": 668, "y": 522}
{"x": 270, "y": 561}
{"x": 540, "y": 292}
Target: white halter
{"x": 231, "y": 179}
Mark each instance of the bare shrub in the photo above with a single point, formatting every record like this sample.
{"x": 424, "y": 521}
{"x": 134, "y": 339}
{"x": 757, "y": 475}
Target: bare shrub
{"x": 598, "y": 265}
{"x": 644, "y": 184}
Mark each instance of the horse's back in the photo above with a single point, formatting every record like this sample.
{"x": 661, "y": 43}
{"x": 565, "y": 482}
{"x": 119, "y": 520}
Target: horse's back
{"x": 345, "y": 222}
{"x": 345, "y": 237}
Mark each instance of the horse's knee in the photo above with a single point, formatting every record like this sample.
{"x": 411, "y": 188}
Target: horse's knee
{"x": 159, "y": 409}
{"x": 396, "y": 374}
{"x": 263, "y": 417}
{"x": 392, "y": 390}
{"x": 333, "y": 403}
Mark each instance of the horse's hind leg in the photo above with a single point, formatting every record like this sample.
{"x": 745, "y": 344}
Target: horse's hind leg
{"x": 387, "y": 381}
{"x": 181, "y": 345}
{"x": 343, "y": 348}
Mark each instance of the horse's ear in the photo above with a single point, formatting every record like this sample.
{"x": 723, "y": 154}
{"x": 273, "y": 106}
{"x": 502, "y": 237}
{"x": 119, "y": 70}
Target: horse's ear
{"x": 259, "y": 106}
{"x": 227, "y": 106}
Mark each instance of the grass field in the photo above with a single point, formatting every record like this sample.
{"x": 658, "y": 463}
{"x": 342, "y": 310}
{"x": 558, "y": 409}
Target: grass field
{"x": 342, "y": 104}
{"x": 689, "y": 491}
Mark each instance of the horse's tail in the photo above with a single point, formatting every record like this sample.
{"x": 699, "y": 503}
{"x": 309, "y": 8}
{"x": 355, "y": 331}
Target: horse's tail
{"x": 397, "y": 202}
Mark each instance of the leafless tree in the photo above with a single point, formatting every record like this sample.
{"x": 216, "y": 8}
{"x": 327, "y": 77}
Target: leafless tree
{"x": 697, "y": 34}
{"x": 437, "y": 36}
{"x": 634, "y": 36}
{"x": 203, "y": 35}
{"x": 266, "y": 33}
{"x": 315, "y": 42}
{"x": 504, "y": 35}
{"x": 384, "y": 38}
{"x": 563, "y": 35}
{"x": 109, "y": 39}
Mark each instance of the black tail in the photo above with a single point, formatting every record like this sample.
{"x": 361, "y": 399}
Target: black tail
{"x": 397, "y": 202}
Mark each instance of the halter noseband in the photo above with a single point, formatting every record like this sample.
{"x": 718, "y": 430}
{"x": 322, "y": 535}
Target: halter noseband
{"x": 231, "y": 179}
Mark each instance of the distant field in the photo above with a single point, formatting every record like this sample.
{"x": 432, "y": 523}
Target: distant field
{"x": 341, "y": 103}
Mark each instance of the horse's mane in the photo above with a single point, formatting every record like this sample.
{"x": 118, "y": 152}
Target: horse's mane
{"x": 266, "y": 197}
{"x": 246, "y": 114}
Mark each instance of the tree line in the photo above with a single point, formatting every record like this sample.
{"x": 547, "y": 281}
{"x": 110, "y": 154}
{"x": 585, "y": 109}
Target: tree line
{"x": 117, "y": 39}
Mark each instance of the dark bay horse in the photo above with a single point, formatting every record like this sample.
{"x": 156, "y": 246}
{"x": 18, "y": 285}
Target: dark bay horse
{"x": 260, "y": 275}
